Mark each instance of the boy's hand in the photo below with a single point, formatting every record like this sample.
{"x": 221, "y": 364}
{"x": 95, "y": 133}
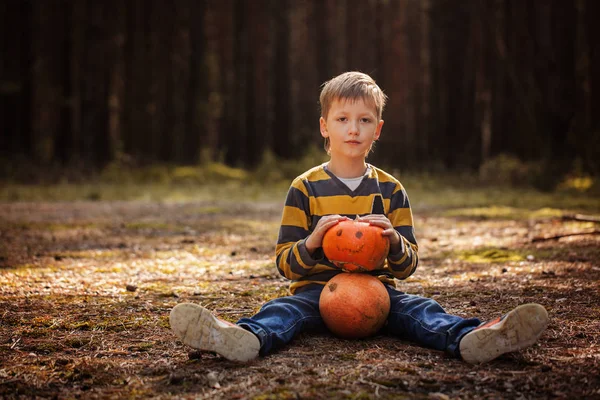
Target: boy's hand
{"x": 315, "y": 239}
{"x": 388, "y": 229}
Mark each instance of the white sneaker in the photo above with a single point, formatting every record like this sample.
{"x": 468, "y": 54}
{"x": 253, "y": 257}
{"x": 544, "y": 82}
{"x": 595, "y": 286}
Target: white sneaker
{"x": 198, "y": 328}
{"x": 514, "y": 331}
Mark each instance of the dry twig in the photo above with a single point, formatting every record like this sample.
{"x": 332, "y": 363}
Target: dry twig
{"x": 581, "y": 218}
{"x": 562, "y": 235}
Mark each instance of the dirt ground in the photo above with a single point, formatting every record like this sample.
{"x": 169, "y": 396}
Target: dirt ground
{"x": 86, "y": 289}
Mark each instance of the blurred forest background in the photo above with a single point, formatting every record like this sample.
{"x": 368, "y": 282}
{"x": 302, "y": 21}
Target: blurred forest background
{"x": 474, "y": 85}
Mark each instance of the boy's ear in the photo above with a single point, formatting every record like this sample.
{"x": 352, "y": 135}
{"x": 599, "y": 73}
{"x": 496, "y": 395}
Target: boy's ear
{"x": 378, "y": 130}
{"x": 323, "y": 127}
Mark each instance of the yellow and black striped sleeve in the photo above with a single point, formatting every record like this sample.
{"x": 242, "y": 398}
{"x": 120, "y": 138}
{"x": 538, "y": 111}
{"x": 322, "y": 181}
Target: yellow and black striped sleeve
{"x": 405, "y": 262}
{"x": 292, "y": 258}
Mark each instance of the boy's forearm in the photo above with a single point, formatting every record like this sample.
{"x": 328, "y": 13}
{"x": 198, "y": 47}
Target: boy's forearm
{"x": 404, "y": 263}
{"x": 310, "y": 247}
{"x": 396, "y": 243}
{"x": 396, "y": 248}
{"x": 294, "y": 261}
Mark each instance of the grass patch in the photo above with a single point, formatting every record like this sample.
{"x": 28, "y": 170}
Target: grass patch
{"x": 87, "y": 254}
{"x": 443, "y": 197}
{"x": 210, "y": 210}
{"x": 490, "y": 255}
{"x": 239, "y": 226}
{"x": 493, "y": 212}
{"x": 496, "y": 255}
{"x": 281, "y": 394}
{"x": 142, "y": 347}
{"x": 140, "y": 225}
{"x": 140, "y": 191}
{"x": 44, "y": 348}
{"x": 504, "y": 213}
{"x": 52, "y": 226}
{"x": 42, "y": 321}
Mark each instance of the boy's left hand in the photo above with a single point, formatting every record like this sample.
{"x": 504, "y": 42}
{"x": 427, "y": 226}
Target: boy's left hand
{"x": 388, "y": 229}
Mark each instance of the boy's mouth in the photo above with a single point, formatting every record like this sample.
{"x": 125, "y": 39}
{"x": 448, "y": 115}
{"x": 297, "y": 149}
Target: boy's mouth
{"x": 352, "y": 142}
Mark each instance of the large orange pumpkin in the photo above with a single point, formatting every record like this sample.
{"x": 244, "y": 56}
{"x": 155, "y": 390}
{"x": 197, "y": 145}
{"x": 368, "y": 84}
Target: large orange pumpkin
{"x": 356, "y": 246}
{"x": 354, "y": 305}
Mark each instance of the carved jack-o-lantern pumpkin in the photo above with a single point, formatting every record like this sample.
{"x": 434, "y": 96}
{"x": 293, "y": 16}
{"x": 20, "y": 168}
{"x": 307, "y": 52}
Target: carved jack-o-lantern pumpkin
{"x": 356, "y": 246}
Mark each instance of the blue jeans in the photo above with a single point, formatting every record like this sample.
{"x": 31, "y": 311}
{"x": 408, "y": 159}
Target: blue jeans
{"x": 414, "y": 318}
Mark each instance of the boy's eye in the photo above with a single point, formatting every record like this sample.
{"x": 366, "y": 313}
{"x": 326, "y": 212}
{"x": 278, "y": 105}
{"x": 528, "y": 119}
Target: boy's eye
{"x": 342, "y": 119}
{"x": 365, "y": 120}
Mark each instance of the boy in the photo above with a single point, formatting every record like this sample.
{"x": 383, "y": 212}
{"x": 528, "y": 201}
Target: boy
{"x": 346, "y": 186}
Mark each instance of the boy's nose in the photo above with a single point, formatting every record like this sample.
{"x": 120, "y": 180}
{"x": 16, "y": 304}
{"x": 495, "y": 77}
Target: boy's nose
{"x": 353, "y": 129}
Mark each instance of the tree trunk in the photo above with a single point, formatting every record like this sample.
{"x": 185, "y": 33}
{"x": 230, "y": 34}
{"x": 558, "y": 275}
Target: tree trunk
{"x": 116, "y": 85}
{"x": 396, "y": 83}
{"x": 464, "y": 134}
{"x": 15, "y": 46}
{"x": 340, "y": 40}
{"x": 161, "y": 24}
{"x": 212, "y": 106}
{"x": 237, "y": 137}
{"x": 227, "y": 43}
{"x": 441, "y": 99}
{"x": 48, "y": 97}
{"x": 483, "y": 96}
{"x": 411, "y": 81}
{"x": 76, "y": 60}
{"x": 177, "y": 110}
{"x": 258, "y": 94}
{"x": 199, "y": 117}
{"x": 590, "y": 137}
{"x": 425, "y": 141}
{"x": 137, "y": 123}
{"x": 304, "y": 78}
{"x": 360, "y": 36}
{"x": 500, "y": 105}
{"x": 282, "y": 144}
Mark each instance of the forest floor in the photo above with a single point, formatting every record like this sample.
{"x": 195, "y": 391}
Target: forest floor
{"x": 86, "y": 288}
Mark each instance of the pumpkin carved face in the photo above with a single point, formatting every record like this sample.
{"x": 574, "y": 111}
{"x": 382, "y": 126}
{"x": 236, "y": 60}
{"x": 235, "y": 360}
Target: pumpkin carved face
{"x": 354, "y": 305}
{"x": 355, "y": 246}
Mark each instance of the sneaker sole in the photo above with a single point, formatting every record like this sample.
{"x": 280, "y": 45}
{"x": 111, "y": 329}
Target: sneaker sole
{"x": 198, "y": 328}
{"x": 520, "y": 328}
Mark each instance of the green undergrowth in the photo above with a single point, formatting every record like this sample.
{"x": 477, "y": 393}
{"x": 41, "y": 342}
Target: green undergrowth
{"x": 141, "y": 191}
{"x": 53, "y": 226}
{"x": 481, "y": 202}
{"x": 491, "y": 255}
{"x": 505, "y": 203}
{"x": 505, "y": 213}
{"x": 461, "y": 194}
{"x": 494, "y": 255}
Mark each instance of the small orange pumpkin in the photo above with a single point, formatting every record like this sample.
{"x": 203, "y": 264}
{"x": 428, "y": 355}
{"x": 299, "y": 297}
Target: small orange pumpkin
{"x": 355, "y": 246}
{"x": 354, "y": 305}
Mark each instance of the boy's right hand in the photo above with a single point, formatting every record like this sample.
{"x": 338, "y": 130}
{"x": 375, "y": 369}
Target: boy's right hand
{"x": 315, "y": 239}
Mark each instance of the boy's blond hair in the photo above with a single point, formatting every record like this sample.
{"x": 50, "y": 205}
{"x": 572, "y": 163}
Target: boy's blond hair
{"x": 352, "y": 86}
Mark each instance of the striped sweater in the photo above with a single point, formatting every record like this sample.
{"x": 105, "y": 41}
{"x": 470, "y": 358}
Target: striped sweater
{"x": 317, "y": 193}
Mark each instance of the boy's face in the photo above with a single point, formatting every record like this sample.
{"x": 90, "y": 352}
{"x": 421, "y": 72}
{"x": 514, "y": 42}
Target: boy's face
{"x": 352, "y": 127}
